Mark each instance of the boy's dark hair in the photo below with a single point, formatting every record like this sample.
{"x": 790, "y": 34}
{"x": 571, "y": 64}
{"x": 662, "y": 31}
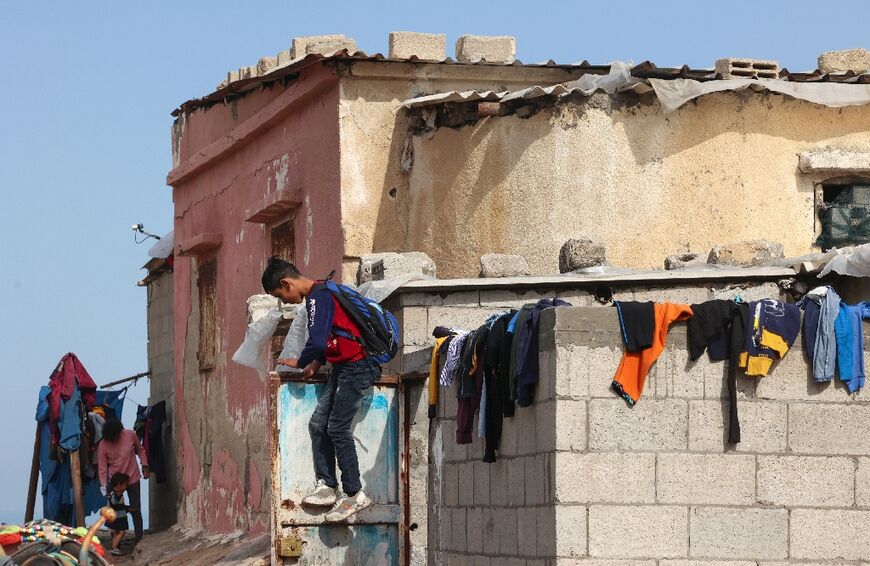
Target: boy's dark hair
{"x": 112, "y": 430}
{"x": 277, "y": 270}
{"x": 118, "y": 478}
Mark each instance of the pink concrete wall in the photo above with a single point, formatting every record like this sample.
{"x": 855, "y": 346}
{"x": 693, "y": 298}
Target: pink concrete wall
{"x": 221, "y": 416}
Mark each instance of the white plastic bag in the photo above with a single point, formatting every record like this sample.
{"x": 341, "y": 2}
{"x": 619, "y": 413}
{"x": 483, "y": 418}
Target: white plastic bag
{"x": 258, "y": 334}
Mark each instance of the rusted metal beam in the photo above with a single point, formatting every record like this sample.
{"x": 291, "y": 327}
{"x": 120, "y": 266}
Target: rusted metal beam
{"x": 126, "y": 379}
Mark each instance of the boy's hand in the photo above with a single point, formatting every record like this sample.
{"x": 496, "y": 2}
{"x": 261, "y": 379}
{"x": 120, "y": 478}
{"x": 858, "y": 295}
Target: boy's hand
{"x": 289, "y": 362}
{"x": 311, "y": 369}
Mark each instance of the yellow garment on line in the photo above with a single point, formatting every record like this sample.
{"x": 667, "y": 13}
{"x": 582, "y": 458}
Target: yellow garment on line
{"x": 759, "y": 366}
{"x": 433, "y": 376}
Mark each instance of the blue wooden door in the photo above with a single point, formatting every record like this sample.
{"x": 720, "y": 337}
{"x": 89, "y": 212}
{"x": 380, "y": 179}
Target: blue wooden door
{"x": 371, "y": 536}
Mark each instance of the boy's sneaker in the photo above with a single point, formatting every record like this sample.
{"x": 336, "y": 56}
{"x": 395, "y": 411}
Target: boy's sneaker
{"x": 116, "y": 552}
{"x": 348, "y": 506}
{"x": 322, "y": 496}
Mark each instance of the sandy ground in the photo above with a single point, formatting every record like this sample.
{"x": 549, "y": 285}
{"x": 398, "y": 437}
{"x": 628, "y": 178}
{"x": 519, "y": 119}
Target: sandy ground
{"x": 177, "y": 546}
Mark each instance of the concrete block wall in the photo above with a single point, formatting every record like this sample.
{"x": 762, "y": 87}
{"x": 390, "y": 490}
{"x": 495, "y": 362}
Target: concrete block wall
{"x": 582, "y": 478}
{"x": 163, "y": 498}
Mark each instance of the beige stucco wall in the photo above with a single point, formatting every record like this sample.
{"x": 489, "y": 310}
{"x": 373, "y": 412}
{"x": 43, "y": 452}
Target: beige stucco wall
{"x": 723, "y": 168}
{"x": 374, "y": 130}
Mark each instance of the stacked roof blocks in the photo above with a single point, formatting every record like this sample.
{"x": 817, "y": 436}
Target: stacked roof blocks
{"x": 737, "y": 68}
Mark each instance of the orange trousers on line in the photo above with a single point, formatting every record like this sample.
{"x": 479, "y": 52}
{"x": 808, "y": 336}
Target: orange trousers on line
{"x": 634, "y": 367}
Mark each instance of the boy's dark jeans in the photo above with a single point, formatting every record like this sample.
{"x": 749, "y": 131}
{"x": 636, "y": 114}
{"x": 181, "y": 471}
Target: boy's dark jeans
{"x": 331, "y": 436}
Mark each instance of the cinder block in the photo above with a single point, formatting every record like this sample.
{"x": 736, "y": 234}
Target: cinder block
{"x": 426, "y": 46}
{"x": 573, "y": 363}
{"x": 602, "y": 562}
{"x": 463, "y": 298}
{"x": 570, "y": 425}
{"x": 674, "y": 377}
{"x": 506, "y": 529}
{"x": 489, "y": 48}
{"x": 419, "y": 300}
{"x": 721, "y": 532}
{"x": 322, "y": 44}
{"x": 756, "y": 292}
{"x": 741, "y": 68}
{"x": 546, "y": 425}
{"x": 474, "y": 530}
{"x": 536, "y": 479}
{"x": 266, "y": 64}
{"x": 415, "y": 329}
{"x": 855, "y": 60}
{"x": 546, "y": 525}
{"x": 451, "y": 484}
{"x": 605, "y": 477}
{"x": 829, "y": 429}
{"x": 719, "y": 479}
{"x": 466, "y": 483}
{"x": 445, "y": 528}
{"x": 490, "y": 535}
{"x": 508, "y": 444}
{"x": 458, "y": 529}
{"x": 481, "y": 483}
{"x": 463, "y": 318}
{"x": 498, "y": 487}
{"x": 516, "y": 472}
{"x": 683, "y": 295}
{"x": 818, "y": 534}
{"x": 570, "y": 531}
{"x": 716, "y": 384}
{"x": 791, "y": 380}
{"x": 527, "y": 530}
{"x": 707, "y": 563}
{"x": 641, "y": 531}
{"x": 762, "y": 427}
{"x": 862, "y": 483}
{"x": 806, "y": 481}
{"x": 545, "y": 390}
{"x": 527, "y": 433}
{"x": 506, "y": 299}
{"x": 284, "y": 57}
{"x": 651, "y": 425}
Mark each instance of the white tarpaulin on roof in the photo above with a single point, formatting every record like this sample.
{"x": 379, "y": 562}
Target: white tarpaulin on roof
{"x": 674, "y": 93}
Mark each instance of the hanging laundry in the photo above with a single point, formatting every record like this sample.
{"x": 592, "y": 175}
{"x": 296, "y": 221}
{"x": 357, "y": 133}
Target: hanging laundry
{"x": 514, "y": 328}
{"x": 821, "y": 309}
{"x": 470, "y": 384}
{"x": 737, "y": 338}
{"x": 454, "y": 355}
{"x": 710, "y": 329}
{"x": 850, "y": 344}
{"x": 150, "y": 434}
{"x": 68, "y": 376}
{"x": 772, "y": 329}
{"x": 637, "y": 322}
{"x": 433, "y": 374}
{"x": 528, "y": 372}
{"x": 634, "y": 366}
{"x": 496, "y": 383}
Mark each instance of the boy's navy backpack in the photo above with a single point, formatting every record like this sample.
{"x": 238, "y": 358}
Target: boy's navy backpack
{"x": 379, "y": 329}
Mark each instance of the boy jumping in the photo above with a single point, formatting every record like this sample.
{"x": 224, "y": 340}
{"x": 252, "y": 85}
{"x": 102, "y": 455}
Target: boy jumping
{"x": 333, "y": 338}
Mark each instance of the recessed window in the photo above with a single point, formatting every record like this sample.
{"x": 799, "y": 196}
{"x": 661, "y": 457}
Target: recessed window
{"x": 284, "y": 240}
{"x": 207, "y": 287}
{"x": 844, "y": 214}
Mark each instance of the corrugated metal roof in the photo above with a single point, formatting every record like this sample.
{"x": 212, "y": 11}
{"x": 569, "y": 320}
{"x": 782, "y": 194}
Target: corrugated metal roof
{"x": 644, "y": 70}
{"x": 284, "y": 72}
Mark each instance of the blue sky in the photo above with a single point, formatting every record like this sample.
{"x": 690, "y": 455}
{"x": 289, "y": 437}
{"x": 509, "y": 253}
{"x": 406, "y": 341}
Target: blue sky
{"x": 85, "y": 146}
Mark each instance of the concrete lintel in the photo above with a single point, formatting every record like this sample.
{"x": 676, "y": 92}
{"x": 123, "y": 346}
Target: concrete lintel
{"x": 474, "y": 73}
{"x": 274, "y": 206}
{"x": 199, "y": 244}
{"x": 576, "y": 280}
{"x": 835, "y": 160}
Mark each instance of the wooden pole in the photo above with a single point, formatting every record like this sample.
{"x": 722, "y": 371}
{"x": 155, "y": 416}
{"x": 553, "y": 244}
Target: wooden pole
{"x": 34, "y": 476}
{"x": 76, "y": 468}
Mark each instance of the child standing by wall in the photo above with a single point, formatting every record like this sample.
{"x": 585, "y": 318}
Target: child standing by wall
{"x": 117, "y": 487}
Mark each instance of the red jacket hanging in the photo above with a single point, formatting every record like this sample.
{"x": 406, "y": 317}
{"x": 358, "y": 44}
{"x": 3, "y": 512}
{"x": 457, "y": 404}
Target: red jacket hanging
{"x": 68, "y": 373}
